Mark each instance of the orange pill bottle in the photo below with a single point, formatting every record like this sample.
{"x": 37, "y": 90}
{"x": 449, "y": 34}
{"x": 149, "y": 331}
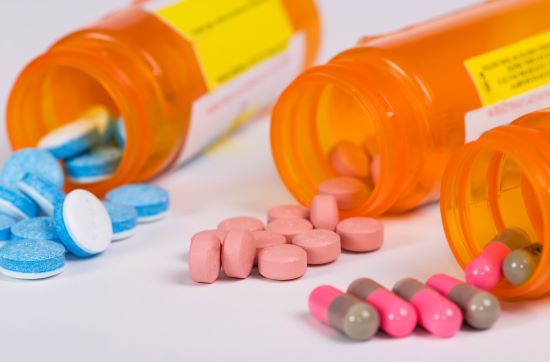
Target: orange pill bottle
{"x": 179, "y": 73}
{"x": 502, "y": 180}
{"x": 412, "y": 97}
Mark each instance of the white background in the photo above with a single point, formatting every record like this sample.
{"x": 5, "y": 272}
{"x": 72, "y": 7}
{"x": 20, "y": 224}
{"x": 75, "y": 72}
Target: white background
{"x": 137, "y": 303}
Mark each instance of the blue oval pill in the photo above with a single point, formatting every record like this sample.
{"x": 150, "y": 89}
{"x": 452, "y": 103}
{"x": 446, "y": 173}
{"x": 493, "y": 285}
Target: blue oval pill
{"x": 43, "y": 193}
{"x": 31, "y": 160}
{"x": 151, "y": 202}
{"x": 32, "y": 259}
{"x": 15, "y": 204}
{"x": 6, "y": 222}
{"x": 71, "y": 139}
{"x": 95, "y": 165}
{"x": 123, "y": 218}
{"x": 38, "y": 228}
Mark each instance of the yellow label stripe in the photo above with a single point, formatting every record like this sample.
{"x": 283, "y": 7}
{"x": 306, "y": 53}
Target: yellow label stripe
{"x": 512, "y": 70}
{"x": 230, "y": 36}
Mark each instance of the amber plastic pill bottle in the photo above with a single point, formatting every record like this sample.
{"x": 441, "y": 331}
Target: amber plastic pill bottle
{"x": 502, "y": 180}
{"x": 412, "y": 97}
{"x": 179, "y": 73}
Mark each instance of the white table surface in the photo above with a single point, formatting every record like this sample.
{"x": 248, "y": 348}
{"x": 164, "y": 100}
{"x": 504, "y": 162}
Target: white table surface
{"x": 136, "y": 302}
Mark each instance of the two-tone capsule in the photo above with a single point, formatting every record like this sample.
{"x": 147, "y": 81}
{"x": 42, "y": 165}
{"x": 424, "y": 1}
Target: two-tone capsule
{"x": 480, "y": 308}
{"x": 345, "y": 313}
{"x": 398, "y": 318}
{"x": 520, "y": 264}
{"x": 485, "y": 270}
{"x": 436, "y": 314}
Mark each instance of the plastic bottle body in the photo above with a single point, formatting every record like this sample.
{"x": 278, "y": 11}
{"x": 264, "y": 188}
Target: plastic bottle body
{"x": 141, "y": 68}
{"x": 502, "y": 180}
{"x": 404, "y": 94}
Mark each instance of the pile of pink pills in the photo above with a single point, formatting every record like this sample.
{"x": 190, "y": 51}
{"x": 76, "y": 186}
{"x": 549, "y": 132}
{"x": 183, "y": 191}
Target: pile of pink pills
{"x": 293, "y": 238}
{"x": 440, "y": 306}
{"x": 357, "y": 169}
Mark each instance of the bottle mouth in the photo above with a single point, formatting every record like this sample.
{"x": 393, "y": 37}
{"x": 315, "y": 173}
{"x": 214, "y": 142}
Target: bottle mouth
{"x": 321, "y": 110}
{"x": 61, "y": 85}
{"x": 495, "y": 183}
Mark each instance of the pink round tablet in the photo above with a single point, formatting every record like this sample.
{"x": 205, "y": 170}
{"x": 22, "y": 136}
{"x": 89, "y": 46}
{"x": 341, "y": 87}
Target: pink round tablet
{"x": 287, "y": 212}
{"x": 324, "y": 212}
{"x": 348, "y": 191}
{"x": 321, "y": 246}
{"x": 220, "y": 234}
{"x": 238, "y": 252}
{"x": 289, "y": 228}
{"x": 264, "y": 238}
{"x": 282, "y": 262}
{"x": 349, "y": 159}
{"x": 361, "y": 234}
{"x": 241, "y": 223}
{"x": 204, "y": 257}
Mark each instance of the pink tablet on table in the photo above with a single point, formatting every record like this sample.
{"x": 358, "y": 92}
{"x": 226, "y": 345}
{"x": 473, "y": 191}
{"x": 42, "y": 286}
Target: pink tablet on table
{"x": 291, "y": 211}
{"x": 360, "y": 234}
{"x": 289, "y": 228}
{"x": 321, "y": 246}
{"x": 241, "y": 223}
{"x": 282, "y": 262}
{"x": 238, "y": 253}
{"x": 204, "y": 257}
{"x": 324, "y": 212}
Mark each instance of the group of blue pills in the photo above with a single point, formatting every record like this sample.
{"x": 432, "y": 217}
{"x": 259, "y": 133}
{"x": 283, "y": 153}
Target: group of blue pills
{"x": 91, "y": 146}
{"x": 39, "y": 223}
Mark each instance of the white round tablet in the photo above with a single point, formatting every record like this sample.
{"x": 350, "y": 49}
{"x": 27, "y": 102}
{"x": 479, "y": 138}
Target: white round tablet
{"x": 67, "y": 133}
{"x": 83, "y": 224}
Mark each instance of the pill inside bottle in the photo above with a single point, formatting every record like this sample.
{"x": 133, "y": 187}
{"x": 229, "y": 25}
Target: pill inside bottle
{"x": 169, "y": 94}
{"x": 389, "y": 113}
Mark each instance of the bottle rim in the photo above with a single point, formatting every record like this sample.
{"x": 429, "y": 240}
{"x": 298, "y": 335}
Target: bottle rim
{"x": 390, "y": 136}
{"x": 522, "y": 146}
{"x": 115, "y": 80}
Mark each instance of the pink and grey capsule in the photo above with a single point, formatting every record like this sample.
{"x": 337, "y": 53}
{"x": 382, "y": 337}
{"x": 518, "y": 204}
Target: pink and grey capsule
{"x": 485, "y": 270}
{"x": 345, "y": 313}
{"x": 436, "y": 314}
{"x": 398, "y": 318}
{"x": 481, "y": 309}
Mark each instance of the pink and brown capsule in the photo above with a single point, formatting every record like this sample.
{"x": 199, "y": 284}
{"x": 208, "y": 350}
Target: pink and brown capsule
{"x": 481, "y": 309}
{"x": 436, "y": 314}
{"x": 398, "y": 318}
{"x": 485, "y": 270}
{"x": 344, "y": 312}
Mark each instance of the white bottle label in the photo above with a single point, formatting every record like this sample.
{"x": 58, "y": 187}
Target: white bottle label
{"x": 243, "y": 98}
{"x": 502, "y": 113}
{"x": 247, "y": 52}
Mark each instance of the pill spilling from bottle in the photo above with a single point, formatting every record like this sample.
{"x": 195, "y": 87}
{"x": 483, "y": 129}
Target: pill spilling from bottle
{"x": 510, "y": 256}
{"x": 317, "y": 230}
{"x": 38, "y": 220}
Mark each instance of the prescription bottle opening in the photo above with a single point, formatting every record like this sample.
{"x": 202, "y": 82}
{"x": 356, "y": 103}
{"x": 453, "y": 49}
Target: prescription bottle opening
{"x": 319, "y": 114}
{"x": 330, "y": 118}
{"x": 495, "y": 185}
{"x": 60, "y": 86}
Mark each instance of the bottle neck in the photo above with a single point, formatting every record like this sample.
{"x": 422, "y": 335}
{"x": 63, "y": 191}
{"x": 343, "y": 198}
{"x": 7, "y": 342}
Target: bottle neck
{"x": 85, "y": 71}
{"x": 353, "y": 102}
{"x": 501, "y": 181}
